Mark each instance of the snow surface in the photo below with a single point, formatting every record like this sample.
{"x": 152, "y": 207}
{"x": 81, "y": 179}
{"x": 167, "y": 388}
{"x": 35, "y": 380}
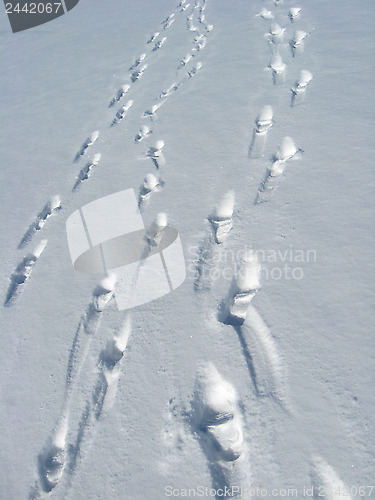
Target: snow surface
{"x": 302, "y": 364}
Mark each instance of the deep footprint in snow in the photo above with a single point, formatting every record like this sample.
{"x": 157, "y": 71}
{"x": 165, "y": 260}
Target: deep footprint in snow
{"x": 210, "y": 251}
{"x": 153, "y": 37}
{"x": 287, "y": 151}
{"x": 144, "y": 131}
{"x": 159, "y": 44}
{"x": 137, "y": 61}
{"x": 294, "y": 14}
{"x": 121, "y": 113}
{"x": 86, "y": 171}
{"x": 22, "y": 273}
{"x": 52, "y": 460}
{"x": 53, "y": 205}
{"x": 109, "y": 365}
{"x": 217, "y": 422}
{"x": 88, "y": 143}
{"x": 275, "y": 35}
{"x": 299, "y": 89}
{"x": 156, "y": 155}
{"x": 245, "y": 285}
{"x": 221, "y": 218}
{"x": 120, "y": 94}
{"x": 263, "y": 124}
{"x": 297, "y": 43}
{"x": 136, "y": 75}
{"x": 278, "y": 68}
{"x": 150, "y": 185}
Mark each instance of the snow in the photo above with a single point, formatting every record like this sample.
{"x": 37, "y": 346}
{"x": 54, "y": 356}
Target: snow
{"x": 302, "y": 362}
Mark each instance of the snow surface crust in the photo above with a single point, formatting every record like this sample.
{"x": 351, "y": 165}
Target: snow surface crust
{"x": 302, "y": 364}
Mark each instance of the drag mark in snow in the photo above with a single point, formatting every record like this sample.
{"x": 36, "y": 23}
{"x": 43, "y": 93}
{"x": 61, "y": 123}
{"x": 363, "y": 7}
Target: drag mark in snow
{"x": 22, "y": 273}
{"x": 326, "y": 481}
{"x": 102, "y": 397}
{"x": 268, "y": 371}
{"x": 53, "y": 459}
{"x": 53, "y": 205}
{"x": 87, "y": 327}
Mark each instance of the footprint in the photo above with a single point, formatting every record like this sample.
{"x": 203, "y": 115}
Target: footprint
{"x": 22, "y": 273}
{"x": 137, "y": 62}
{"x": 168, "y": 22}
{"x": 136, "y": 75}
{"x": 52, "y": 460}
{"x": 299, "y": 89}
{"x": 200, "y": 42}
{"x": 157, "y": 229}
{"x": 217, "y": 422}
{"x": 278, "y": 69}
{"x": 287, "y": 151}
{"x": 121, "y": 113}
{"x": 153, "y": 37}
{"x": 169, "y": 90}
{"x": 85, "y": 173}
{"x": 263, "y": 124}
{"x": 297, "y": 43}
{"x": 184, "y": 61}
{"x": 276, "y": 34}
{"x": 109, "y": 365}
{"x": 155, "y": 153}
{"x": 151, "y": 111}
{"x": 150, "y": 184}
{"x": 194, "y": 70}
{"x": 294, "y": 13}
{"x": 159, "y": 44}
{"x": 143, "y": 132}
{"x": 265, "y": 14}
{"x": 53, "y": 205}
{"x": 89, "y": 142}
{"x": 120, "y": 94}
{"x": 221, "y": 219}
{"x": 245, "y": 285}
